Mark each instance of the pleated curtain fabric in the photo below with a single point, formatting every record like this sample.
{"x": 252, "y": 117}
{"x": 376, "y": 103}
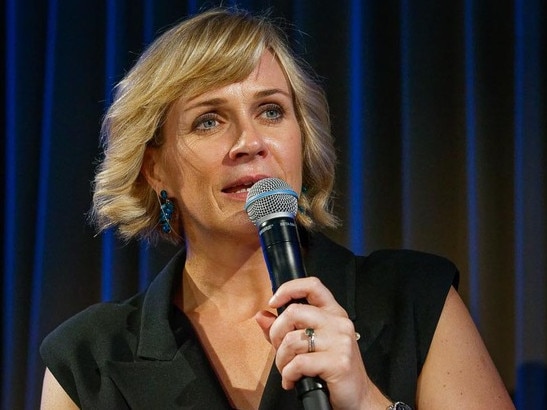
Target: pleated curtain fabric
{"x": 439, "y": 115}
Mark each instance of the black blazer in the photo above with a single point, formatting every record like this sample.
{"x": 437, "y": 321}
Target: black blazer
{"x": 142, "y": 353}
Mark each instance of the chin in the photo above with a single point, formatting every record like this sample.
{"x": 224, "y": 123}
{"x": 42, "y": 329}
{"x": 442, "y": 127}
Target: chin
{"x": 240, "y": 222}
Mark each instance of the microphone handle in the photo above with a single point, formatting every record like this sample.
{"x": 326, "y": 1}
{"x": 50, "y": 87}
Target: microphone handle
{"x": 281, "y": 249}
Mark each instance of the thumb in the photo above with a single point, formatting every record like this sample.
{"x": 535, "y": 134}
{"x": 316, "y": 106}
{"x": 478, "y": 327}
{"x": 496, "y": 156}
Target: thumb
{"x": 265, "y": 320}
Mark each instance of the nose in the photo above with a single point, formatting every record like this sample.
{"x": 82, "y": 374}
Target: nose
{"x": 249, "y": 143}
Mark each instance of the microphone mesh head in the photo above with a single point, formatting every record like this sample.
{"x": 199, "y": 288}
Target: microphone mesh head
{"x": 269, "y": 196}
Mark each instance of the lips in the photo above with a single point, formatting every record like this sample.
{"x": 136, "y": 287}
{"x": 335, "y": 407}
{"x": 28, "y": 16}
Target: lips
{"x": 242, "y": 185}
{"x": 238, "y": 189}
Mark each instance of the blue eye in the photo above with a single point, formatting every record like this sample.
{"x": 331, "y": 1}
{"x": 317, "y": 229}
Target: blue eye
{"x": 206, "y": 122}
{"x": 272, "y": 112}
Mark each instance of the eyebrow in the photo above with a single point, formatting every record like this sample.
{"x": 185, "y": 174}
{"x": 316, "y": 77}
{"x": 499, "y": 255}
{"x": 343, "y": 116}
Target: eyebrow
{"x": 219, "y": 101}
{"x": 271, "y": 91}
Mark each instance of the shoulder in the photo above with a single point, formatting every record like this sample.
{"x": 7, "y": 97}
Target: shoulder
{"x": 405, "y": 290}
{"x": 94, "y": 326}
{"x": 404, "y": 260}
{"x": 382, "y": 275}
{"x": 112, "y": 328}
{"x": 399, "y": 297}
{"x": 79, "y": 351}
{"x": 77, "y": 348}
{"x": 387, "y": 268}
{"x": 406, "y": 284}
{"x": 409, "y": 268}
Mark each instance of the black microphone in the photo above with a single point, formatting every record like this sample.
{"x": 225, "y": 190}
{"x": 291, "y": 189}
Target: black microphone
{"x": 272, "y": 206}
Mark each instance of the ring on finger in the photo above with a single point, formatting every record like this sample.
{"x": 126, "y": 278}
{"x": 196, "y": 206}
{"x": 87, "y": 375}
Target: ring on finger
{"x": 311, "y": 339}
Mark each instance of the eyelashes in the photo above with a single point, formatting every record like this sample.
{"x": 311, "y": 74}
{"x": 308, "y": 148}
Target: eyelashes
{"x": 271, "y": 113}
{"x": 206, "y": 122}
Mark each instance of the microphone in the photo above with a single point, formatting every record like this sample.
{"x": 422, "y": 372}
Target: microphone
{"x": 272, "y": 206}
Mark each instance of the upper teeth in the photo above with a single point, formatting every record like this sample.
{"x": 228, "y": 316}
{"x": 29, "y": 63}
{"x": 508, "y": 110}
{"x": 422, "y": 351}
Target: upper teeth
{"x": 242, "y": 190}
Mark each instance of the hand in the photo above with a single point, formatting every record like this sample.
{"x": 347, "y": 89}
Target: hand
{"x": 336, "y": 359}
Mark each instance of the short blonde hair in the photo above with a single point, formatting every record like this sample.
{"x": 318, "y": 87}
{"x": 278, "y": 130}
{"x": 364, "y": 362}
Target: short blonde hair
{"x": 210, "y": 50}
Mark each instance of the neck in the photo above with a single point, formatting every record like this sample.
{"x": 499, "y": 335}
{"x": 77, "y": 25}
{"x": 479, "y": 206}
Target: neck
{"x": 225, "y": 275}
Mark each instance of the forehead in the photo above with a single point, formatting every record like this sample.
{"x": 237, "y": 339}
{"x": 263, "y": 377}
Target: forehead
{"x": 267, "y": 74}
{"x": 268, "y": 70}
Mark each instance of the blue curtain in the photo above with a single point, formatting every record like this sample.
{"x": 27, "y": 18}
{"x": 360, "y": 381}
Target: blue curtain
{"x": 439, "y": 113}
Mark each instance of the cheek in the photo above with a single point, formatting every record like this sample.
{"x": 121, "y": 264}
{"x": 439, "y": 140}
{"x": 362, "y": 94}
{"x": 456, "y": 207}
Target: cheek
{"x": 190, "y": 166}
{"x": 298, "y": 148}
{"x": 176, "y": 166}
{"x": 291, "y": 160}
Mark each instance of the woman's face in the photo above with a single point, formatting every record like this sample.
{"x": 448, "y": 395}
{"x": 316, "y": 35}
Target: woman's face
{"x": 221, "y": 142}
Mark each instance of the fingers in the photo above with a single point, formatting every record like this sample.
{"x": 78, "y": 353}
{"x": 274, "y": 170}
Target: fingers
{"x": 334, "y": 346}
{"x": 310, "y": 289}
{"x": 293, "y": 344}
{"x": 296, "y": 316}
{"x": 321, "y": 307}
{"x": 288, "y": 333}
{"x": 265, "y": 319}
{"x": 313, "y": 364}
{"x": 333, "y": 354}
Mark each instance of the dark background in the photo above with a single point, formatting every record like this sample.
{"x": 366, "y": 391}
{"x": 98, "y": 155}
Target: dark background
{"x": 439, "y": 115}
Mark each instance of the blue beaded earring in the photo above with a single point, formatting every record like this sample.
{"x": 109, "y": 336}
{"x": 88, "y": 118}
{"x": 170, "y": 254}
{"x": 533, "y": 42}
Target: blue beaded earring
{"x": 166, "y": 211}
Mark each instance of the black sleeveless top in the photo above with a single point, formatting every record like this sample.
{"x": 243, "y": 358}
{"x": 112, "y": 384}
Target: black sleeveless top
{"x": 143, "y": 353}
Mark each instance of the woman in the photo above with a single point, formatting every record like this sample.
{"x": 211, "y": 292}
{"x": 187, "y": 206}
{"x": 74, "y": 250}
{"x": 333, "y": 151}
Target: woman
{"x": 214, "y": 105}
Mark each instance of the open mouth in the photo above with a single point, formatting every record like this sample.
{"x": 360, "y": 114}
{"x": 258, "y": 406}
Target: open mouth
{"x": 239, "y": 188}
{"x": 242, "y": 185}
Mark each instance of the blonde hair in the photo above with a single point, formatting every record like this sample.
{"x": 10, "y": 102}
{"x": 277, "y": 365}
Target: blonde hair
{"x": 210, "y": 50}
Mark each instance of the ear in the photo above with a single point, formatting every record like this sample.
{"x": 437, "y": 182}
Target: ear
{"x": 151, "y": 168}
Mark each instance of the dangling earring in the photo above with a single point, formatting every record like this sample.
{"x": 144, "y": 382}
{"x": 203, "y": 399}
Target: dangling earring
{"x": 166, "y": 211}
